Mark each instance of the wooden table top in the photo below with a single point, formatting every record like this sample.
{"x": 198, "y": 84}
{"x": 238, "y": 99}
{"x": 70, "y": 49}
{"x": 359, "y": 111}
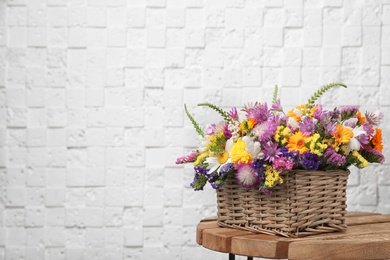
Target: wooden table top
{"x": 367, "y": 237}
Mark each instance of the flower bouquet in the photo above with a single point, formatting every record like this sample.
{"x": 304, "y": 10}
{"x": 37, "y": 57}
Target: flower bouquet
{"x": 295, "y": 162}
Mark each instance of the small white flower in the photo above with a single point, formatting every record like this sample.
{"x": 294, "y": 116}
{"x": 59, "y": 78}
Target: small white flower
{"x": 215, "y": 162}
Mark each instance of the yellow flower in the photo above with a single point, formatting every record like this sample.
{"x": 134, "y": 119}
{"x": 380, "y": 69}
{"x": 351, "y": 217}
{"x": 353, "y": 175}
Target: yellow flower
{"x": 315, "y": 146}
{"x": 281, "y": 134}
{"x": 296, "y": 142}
{"x": 239, "y": 154}
{"x": 201, "y": 158}
{"x": 272, "y": 177}
{"x": 363, "y": 162}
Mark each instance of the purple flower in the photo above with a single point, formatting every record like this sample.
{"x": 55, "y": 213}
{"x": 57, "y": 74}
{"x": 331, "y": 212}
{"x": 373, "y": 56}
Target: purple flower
{"x": 363, "y": 139}
{"x": 211, "y": 129}
{"x": 369, "y": 129}
{"x": 226, "y": 131}
{"x": 330, "y": 127}
{"x": 310, "y": 161}
{"x": 259, "y": 112}
{"x": 319, "y": 113}
{"x": 374, "y": 118}
{"x": 306, "y": 126}
{"x": 348, "y": 112}
{"x": 226, "y": 168}
{"x": 271, "y": 151}
{"x": 264, "y": 131}
{"x": 277, "y": 107}
{"x": 292, "y": 156}
{"x": 233, "y": 113}
{"x": 200, "y": 178}
{"x": 372, "y": 155}
{"x": 332, "y": 157}
{"x": 258, "y": 166}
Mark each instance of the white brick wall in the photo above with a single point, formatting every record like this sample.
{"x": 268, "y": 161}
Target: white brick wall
{"x": 91, "y": 110}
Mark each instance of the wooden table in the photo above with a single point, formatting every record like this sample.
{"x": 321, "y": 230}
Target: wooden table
{"x": 367, "y": 237}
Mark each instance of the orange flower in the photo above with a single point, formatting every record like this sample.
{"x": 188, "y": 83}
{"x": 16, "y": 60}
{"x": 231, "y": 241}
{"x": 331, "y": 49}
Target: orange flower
{"x": 377, "y": 140}
{"x": 247, "y": 125}
{"x": 343, "y": 135}
{"x": 360, "y": 118}
{"x": 296, "y": 142}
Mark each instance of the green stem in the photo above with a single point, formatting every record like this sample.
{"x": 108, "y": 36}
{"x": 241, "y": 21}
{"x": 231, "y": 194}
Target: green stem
{"x": 318, "y": 93}
{"x": 225, "y": 116}
{"x": 195, "y": 124}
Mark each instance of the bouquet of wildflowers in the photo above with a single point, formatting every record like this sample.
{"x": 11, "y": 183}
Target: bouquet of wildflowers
{"x": 258, "y": 148}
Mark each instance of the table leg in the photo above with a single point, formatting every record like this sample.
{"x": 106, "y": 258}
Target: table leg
{"x": 250, "y": 258}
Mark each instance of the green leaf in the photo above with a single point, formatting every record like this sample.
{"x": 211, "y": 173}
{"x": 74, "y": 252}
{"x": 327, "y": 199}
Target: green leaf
{"x": 275, "y": 96}
{"x": 219, "y": 110}
{"x": 320, "y": 92}
{"x": 195, "y": 124}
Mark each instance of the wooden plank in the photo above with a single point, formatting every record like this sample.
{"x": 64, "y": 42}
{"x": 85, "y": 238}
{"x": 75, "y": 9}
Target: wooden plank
{"x": 278, "y": 247}
{"x": 368, "y": 219}
{"x": 266, "y": 246}
{"x": 356, "y": 214}
{"x": 367, "y": 228}
{"x": 204, "y": 224}
{"x": 370, "y": 246}
{"x": 219, "y": 239}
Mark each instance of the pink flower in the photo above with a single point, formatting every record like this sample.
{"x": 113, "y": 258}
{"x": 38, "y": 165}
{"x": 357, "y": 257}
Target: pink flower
{"x": 233, "y": 113}
{"x": 247, "y": 177}
{"x": 187, "y": 158}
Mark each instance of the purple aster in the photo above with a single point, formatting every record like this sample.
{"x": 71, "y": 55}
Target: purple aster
{"x": 374, "y": 118}
{"x": 259, "y": 112}
{"x": 306, "y": 126}
{"x": 369, "y": 129}
{"x": 271, "y": 151}
{"x": 252, "y": 111}
{"x": 335, "y": 114}
{"x": 332, "y": 157}
{"x": 277, "y": 107}
{"x": 265, "y": 113}
{"x": 319, "y": 113}
{"x": 363, "y": 139}
{"x": 264, "y": 131}
{"x": 330, "y": 127}
{"x": 310, "y": 161}
{"x": 233, "y": 113}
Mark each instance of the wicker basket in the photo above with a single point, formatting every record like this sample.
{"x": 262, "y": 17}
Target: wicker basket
{"x": 307, "y": 203}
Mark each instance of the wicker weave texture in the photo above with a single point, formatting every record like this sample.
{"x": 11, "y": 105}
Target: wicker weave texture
{"x": 308, "y": 202}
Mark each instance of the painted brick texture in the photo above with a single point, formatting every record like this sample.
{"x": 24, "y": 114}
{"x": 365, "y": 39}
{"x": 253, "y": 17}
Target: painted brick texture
{"x": 92, "y": 119}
